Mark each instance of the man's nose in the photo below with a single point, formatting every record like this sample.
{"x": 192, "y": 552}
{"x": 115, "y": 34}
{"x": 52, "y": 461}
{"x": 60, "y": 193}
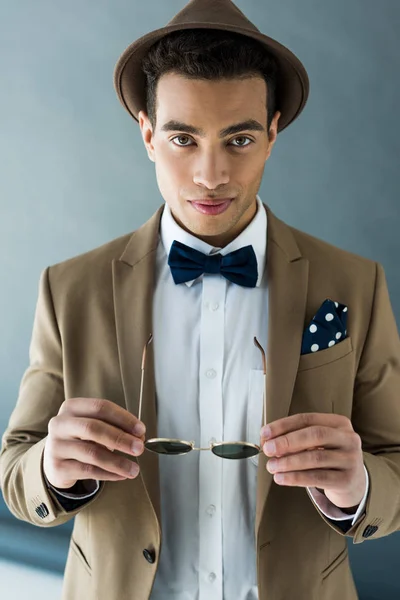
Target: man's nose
{"x": 212, "y": 171}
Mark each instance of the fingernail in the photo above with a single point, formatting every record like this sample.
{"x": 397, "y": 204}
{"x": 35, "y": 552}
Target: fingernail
{"x": 269, "y": 447}
{"x": 137, "y": 447}
{"x": 266, "y": 432}
{"x": 134, "y": 469}
{"x": 139, "y": 429}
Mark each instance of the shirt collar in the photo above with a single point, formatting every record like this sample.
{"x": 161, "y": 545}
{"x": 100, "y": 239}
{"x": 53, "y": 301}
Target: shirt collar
{"x": 255, "y": 234}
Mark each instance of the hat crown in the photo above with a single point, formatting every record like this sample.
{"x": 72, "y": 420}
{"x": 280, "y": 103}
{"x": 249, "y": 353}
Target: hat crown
{"x": 222, "y": 15}
{"x": 212, "y": 12}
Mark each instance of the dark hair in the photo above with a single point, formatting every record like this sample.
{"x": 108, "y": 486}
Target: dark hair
{"x": 209, "y": 54}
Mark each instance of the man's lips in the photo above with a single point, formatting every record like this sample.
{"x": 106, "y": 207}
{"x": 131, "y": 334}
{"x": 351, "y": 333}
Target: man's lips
{"x": 216, "y": 207}
{"x": 214, "y": 202}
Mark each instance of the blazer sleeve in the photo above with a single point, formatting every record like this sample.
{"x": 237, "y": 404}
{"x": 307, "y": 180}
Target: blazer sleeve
{"x": 376, "y": 418}
{"x": 77, "y": 495}
{"x": 40, "y": 396}
{"x": 71, "y": 501}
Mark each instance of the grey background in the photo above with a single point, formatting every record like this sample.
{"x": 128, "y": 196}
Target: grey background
{"x": 74, "y": 173}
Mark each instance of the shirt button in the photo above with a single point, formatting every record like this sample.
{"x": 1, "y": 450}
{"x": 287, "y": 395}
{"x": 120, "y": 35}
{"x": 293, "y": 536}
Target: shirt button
{"x": 211, "y": 510}
{"x": 211, "y": 373}
{"x": 214, "y": 306}
{"x": 212, "y": 577}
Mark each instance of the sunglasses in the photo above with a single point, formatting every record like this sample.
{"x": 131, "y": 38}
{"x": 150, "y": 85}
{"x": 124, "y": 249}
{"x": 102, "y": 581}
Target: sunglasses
{"x": 231, "y": 450}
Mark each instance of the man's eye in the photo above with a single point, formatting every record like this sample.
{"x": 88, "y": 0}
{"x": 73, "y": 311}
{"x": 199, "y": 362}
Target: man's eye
{"x": 243, "y": 137}
{"x": 180, "y": 137}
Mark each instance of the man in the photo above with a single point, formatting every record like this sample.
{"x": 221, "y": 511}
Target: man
{"x": 155, "y": 337}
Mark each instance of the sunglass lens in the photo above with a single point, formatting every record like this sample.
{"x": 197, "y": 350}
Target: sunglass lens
{"x": 166, "y": 447}
{"x": 235, "y": 451}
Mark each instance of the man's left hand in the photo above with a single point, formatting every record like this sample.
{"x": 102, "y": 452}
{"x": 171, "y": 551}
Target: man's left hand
{"x": 317, "y": 450}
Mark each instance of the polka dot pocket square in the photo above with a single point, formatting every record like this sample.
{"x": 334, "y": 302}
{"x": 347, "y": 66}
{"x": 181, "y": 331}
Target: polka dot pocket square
{"x": 327, "y": 328}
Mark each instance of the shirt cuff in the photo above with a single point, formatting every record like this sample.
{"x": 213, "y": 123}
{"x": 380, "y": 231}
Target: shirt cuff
{"x": 331, "y": 511}
{"x": 84, "y": 489}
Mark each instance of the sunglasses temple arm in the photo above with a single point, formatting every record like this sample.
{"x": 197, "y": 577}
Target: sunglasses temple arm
{"x": 265, "y": 399}
{"x": 142, "y": 376}
{"x": 141, "y": 395}
{"x": 264, "y": 360}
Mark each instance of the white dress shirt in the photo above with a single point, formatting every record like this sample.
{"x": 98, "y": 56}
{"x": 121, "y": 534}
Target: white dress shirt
{"x": 209, "y": 387}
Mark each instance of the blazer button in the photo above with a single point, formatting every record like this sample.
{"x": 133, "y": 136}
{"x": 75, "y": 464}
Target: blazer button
{"x": 370, "y": 530}
{"x": 42, "y": 511}
{"x": 149, "y": 555}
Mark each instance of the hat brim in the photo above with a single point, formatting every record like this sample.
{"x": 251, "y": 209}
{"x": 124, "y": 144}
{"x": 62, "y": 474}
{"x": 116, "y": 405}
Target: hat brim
{"x": 130, "y": 81}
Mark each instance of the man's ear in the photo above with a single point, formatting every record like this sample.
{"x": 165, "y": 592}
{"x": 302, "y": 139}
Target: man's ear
{"x": 273, "y": 130}
{"x": 273, "y": 133}
{"x": 147, "y": 134}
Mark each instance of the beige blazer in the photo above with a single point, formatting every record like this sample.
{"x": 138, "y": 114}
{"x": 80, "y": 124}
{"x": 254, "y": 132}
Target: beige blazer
{"x": 93, "y": 317}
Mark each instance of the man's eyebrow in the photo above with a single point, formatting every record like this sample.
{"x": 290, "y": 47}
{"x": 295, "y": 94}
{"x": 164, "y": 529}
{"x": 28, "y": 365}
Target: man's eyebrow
{"x": 250, "y": 124}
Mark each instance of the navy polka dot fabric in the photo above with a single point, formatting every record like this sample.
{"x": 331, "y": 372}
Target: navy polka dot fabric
{"x": 327, "y": 328}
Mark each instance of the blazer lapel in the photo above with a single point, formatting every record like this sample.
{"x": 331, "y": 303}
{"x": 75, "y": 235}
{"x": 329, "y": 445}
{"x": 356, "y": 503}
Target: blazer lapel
{"x": 133, "y": 288}
{"x": 287, "y": 273}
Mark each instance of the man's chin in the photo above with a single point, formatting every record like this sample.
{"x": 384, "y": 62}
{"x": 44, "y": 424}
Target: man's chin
{"x": 216, "y": 237}
{"x": 207, "y": 230}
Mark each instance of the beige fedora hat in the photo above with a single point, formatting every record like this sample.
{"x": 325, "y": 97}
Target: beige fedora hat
{"x": 130, "y": 81}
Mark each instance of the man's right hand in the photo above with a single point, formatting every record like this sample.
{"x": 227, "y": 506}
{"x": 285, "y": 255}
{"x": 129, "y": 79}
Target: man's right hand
{"x": 81, "y": 440}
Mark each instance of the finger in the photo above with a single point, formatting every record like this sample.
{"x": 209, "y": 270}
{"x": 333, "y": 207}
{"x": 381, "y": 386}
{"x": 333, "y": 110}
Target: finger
{"x": 311, "y": 437}
{"x": 103, "y": 410}
{"x": 93, "y": 430}
{"x": 142, "y": 437}
{"x": 322, "y": 478}
{"x": 75, "y": 470}
{"x": 91, "y": 455}
{"x": 315, "y": 459}
{"x": 303, "y": 420}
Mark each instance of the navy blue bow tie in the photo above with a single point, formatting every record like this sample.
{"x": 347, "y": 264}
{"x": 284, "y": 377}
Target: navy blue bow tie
{"x": 187, "y": 264}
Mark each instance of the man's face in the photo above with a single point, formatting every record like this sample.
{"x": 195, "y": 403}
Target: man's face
{"x": 205, "y": 165}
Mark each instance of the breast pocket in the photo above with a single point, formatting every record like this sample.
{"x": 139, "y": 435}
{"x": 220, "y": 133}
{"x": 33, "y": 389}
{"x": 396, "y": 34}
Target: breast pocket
{"x": 325, "y": 381}
{"x": 328, "y": 355}
{"x": 255, "y": 403}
